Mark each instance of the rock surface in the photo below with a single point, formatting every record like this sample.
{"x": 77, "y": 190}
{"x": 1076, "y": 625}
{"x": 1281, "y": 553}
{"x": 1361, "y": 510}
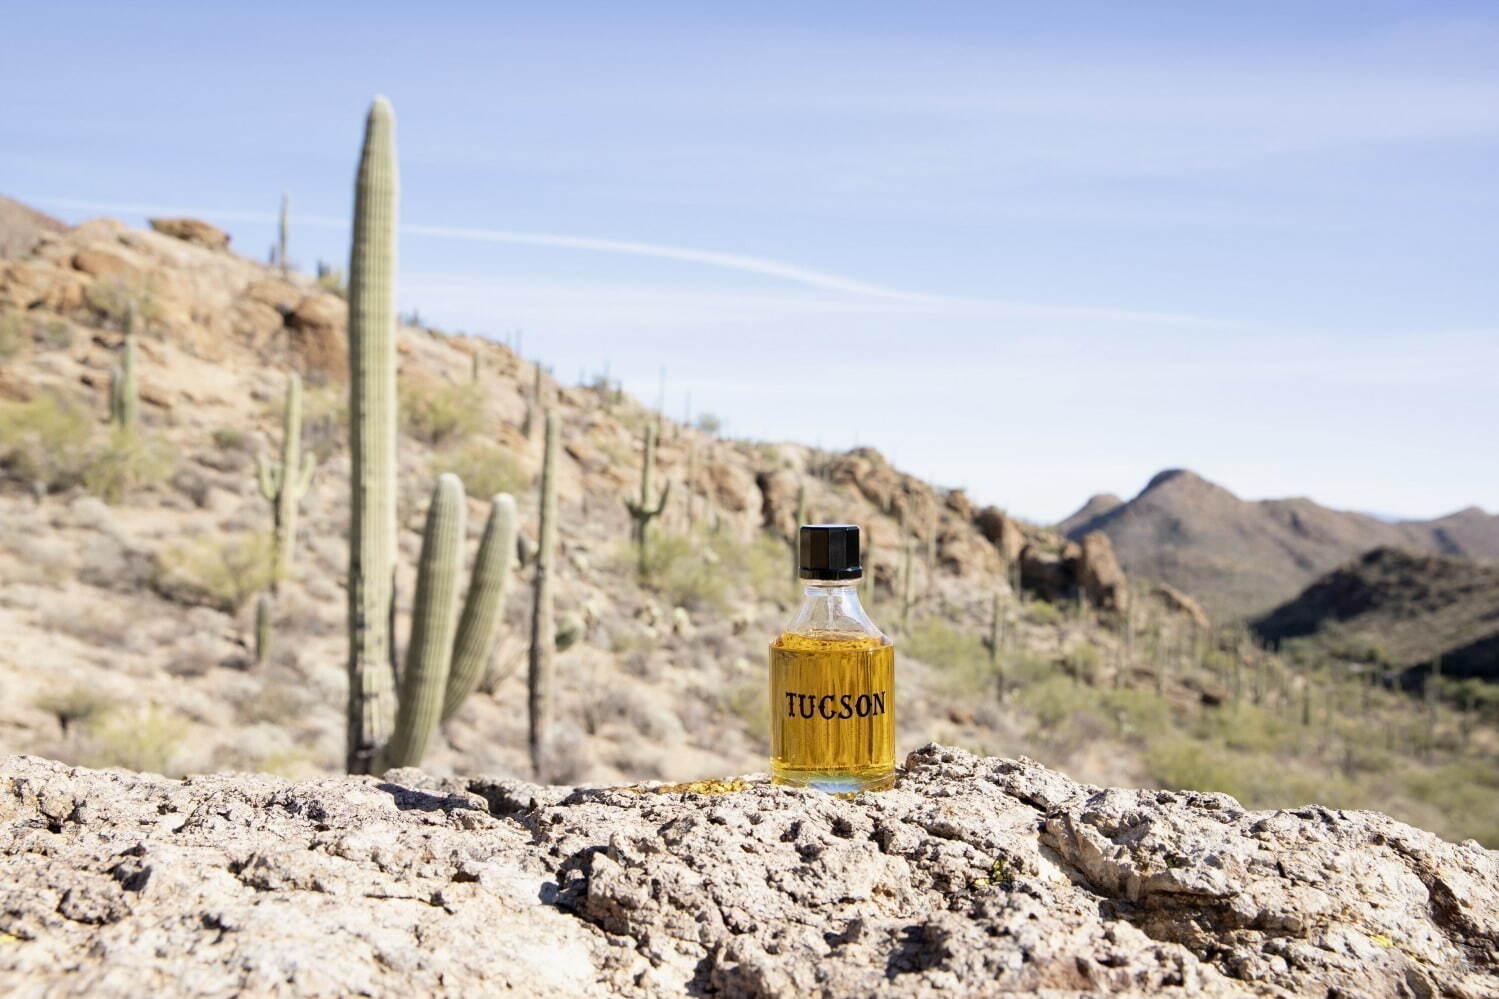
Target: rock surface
{"x": 976, "y": 876}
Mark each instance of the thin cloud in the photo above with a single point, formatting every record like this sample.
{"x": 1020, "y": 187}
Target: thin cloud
{"x": 742, "y": 263}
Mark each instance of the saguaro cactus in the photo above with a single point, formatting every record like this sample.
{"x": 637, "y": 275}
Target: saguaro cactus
{"x": 264, "y": 608}
{"x": 283, "y": 483}
{"x": 434, "y": 621}
{"x": 533, "y": 403}
{"x": 795, "y": 540}
{"x": 372, "y": 438}
{"x": 481, "y": 608}
{"x": 642, "y": 509}
{"x": 996, "y": 640}
{"x": 124, "y": 393}
{"x": 281, "y": 230}
{"x": 908, "y": 583}
{"x": 543, "y": 626}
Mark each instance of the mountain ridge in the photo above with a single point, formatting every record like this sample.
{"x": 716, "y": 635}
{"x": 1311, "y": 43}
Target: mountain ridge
{"x": 1242, "y": 558}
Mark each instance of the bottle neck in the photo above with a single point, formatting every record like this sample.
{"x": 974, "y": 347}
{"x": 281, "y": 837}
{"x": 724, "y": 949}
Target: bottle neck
{"x": 831, "y": 605}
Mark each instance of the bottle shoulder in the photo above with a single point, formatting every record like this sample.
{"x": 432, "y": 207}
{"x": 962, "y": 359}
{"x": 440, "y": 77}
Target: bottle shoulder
{"x": 822, "y": 640}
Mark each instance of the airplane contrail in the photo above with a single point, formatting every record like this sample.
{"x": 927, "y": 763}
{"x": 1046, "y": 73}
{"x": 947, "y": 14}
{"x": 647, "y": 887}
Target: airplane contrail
{"x": 728, "y": 261}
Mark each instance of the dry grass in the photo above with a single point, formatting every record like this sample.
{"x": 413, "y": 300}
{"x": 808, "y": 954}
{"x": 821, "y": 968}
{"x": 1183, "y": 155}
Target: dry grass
{"x": 222, "y": 572}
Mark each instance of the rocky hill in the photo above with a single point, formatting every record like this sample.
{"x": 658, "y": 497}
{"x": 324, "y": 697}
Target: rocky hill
{"x": 975, "y": 876}
{"x": 127, "y": 575}
{"x": 1241, "y": 558}
{"x": 130, "y": 568}
{"x": 1415, "y": 608}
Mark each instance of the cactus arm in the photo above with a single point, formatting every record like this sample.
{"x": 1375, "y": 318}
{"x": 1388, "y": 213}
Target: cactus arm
{"x": 543, "y": 625}
{"x": 305, "y": 473}
{"x": 269, "y": 475}
{"x": 479, "y": 625}
{"x": 372, "y": 433}
{"x": 434, "y": 618}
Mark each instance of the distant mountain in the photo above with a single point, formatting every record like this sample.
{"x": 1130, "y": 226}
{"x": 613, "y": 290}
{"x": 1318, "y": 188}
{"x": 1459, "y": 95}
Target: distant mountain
{"x": 1241, "y": 558}
{"x": 1414, "y": 606}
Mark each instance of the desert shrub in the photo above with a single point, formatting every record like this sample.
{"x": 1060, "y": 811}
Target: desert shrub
{"x": 145, "y": 739}
{"x": 709, "y": 424}
{"x": 485, "y": 469}
{"x": 232, "y": 439}
{"x": 1084, "y": 659}
{"x": 1466, "y": 792}
{"x": 72, "y": 705}
{"x": 52, "y": 441}
{"x": 676, "y": 570}
{"x": 13, "y": 335}
{"x": 112, "y": 298}
{"x": 1043, "y": 612}
{"x": 217, "y": 571}
{"x": 121, "y": 463}
{"x": 441, "y": 414}
{"x": 52, "y": 334}
{"x": 960, "y": 657}
{"x": 1056, "y": 701}
{"x": 46, "y": 440}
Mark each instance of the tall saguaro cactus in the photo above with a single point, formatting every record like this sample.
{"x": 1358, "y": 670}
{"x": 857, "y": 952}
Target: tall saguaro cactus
{"x": 283, "y": 483}
{"x": 642, "y": 510}
{"x": 124, "y": 392}
{"x": 543, "y": 625}
{"x": 372, "y": 436}
{"x": 446, "y": 653}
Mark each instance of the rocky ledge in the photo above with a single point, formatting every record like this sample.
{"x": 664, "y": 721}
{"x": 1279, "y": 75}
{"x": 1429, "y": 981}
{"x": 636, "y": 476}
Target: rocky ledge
{"x": 976, "y": 876}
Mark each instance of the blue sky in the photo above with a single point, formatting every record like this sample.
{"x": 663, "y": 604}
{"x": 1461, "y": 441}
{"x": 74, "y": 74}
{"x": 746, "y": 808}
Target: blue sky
{"x": 1038, "y": 252}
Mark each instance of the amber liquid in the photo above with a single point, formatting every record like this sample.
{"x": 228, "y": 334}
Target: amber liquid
{"x": 832, "y": 711}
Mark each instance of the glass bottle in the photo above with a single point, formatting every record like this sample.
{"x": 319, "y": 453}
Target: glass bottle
{"x": 832, "y": 676}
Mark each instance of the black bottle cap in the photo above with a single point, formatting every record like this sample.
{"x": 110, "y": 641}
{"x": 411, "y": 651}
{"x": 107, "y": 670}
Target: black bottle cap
{"x": 829, "y": 551}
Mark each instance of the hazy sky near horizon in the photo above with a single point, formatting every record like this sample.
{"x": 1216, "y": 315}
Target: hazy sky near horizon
{"x": 1038, "y": 251}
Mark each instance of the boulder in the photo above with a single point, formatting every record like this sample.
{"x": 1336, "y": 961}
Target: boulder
{"x": 1050, "y": 575}
{"x": 733, "y": 488}
{"x": 193, "y": 231}
{"x": 1002, "y": 531}
{"x": 1177, "y": 602}
{"x": 108, "y": 262}
{"x": 1099, "y": 574}
{"x": 778, "y": 493}
{"x": 278, "y": 293}
{"x": 28, "y": 284}
{"x": 973, "y": 877}
{"x": 320, "y": 333}
{"x": 22, "y": 228}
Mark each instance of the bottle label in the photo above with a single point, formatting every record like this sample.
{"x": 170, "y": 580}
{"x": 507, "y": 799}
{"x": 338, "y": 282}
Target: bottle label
{"x": 832, "y": 706}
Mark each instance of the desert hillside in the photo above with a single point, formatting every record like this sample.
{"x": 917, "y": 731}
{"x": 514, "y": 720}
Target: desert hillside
{"x": 1240, "y": 557}
{"x": 1426, "y": 613}
{"x": 131, "y": 569}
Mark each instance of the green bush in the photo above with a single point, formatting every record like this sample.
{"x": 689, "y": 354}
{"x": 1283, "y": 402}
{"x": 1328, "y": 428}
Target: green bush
{"x": 146, "y": 739}
{"x": 215, "y": 571}
{"x": 46, "y": 440}
{"x": 55, "y": 442}
{"x": 231, "y": 439}
{"x": 122, "y": 463}
{"x": 112, "y": 298}
{"x": 72, "y": 705}
{"x": 13, "y": 335}
{"x": 485, "y": 469}
{"x": 1084, "y": 660}
{"x": 697, "y": 571}
{"x": 961, "y": 659}
{"x": 52, "y": 334}
{"x": 1042, "y": 612}
{"x": 441, "y": 414}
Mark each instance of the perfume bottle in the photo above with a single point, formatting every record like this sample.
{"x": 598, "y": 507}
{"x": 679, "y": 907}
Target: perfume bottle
{"x": 832, "y": 676}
